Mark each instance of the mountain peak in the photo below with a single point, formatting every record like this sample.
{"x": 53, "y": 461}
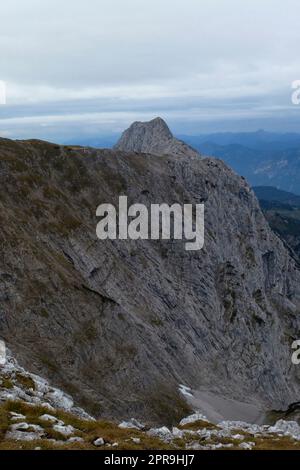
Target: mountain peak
{"x": 153, "y": 137}
{"x": 157, "y": 127}
{"x": 159, "y": 123}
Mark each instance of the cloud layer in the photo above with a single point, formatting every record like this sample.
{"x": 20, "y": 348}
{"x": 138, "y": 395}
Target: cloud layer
{"x": 77, "y": 68}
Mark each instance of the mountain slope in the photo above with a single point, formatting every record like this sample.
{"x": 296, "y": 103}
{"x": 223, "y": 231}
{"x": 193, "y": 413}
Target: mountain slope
{"x": 120, "y": 324}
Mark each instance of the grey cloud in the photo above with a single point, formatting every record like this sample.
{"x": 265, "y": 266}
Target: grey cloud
{"x": 197, "y": 63}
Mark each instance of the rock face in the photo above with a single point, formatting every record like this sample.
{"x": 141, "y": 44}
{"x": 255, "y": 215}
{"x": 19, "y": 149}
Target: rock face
{"x": 153, "y": 137}
{"x": 120, "y": 324}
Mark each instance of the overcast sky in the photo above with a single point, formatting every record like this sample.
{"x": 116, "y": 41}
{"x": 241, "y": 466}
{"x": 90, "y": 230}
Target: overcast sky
{"x": 83, "y": 69}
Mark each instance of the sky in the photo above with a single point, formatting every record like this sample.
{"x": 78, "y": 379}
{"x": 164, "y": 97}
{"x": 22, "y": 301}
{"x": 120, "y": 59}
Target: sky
{"x": 80, "y": 70}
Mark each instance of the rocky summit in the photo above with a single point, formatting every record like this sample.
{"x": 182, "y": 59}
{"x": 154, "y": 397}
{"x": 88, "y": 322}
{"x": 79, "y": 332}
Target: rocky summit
{"x": 144, "y": 328}
{"x": 153, "y": 137}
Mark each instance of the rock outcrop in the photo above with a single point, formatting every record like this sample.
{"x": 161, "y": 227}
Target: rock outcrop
{"x": 17, "y": 384}
{"x": 120, "y": 324}
{"x": 153, "y": 137}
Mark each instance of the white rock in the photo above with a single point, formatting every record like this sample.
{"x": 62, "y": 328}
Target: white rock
{"x": 75, "y": 439}
{"x": 7, "y": 396}
{"x": 193, "y": 419}
{"x": 187, "y": 391}
{"x": 47, "y": 406}
{"x": 287, "y": 428}
{"x": 41, "y": 384}
{"x": 26, "y": 427}
{"x": 51, "y": 419}
{"x": 132, "y": 424}
{"x": 216, "y": 446}
{"x": 247, "y": 445}
{"x": 22, "y": 436}
{"x": 59, "y": 399}
{"x": 2, "y": 353}
{"x": 163, "y": 433}
{"x": 19, "y": 427}
{"x": 177, "y": 433}
{"x": 16, "y": 416}
{"x": 219, "y": 446}
{"x": 218, "y": 433}
{"x": 35, "y": 428}
{"x": 99, "y": 442}
{"x": 250, "y": 428}
{"x": 82, "y": 414}
{"x": 65, "y": 430}
{"x": 238, "y": 437}
{"x": 115, "y": 444}
{"x": 136, "y": 440}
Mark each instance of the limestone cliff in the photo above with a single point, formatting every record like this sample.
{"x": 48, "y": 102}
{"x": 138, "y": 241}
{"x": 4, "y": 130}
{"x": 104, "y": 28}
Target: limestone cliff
{"x": 119, "y": 324}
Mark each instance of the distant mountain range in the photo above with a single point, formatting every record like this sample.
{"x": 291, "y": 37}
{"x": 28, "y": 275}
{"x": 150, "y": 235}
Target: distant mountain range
{"x": 282, "y": 210}
{"x": 263, "y": 158}
{"x": 274, "y": 195}
{"x": 259, "y": 140}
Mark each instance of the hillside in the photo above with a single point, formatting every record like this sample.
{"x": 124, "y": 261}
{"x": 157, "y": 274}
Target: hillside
{"x": 120, "y": 324}
{"x": 36, "y": 416}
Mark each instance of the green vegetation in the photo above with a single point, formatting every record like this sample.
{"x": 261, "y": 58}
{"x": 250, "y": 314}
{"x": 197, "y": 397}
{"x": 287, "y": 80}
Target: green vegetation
{"x": 7, "y": 383}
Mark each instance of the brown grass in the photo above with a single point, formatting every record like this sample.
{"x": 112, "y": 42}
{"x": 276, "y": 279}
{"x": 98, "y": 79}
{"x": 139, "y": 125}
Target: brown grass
{"x": 25, "y": 382}
{"x": 111, "y": 433}
{"x": 198, "y": 425}
{"x": 7, "y": 383}
{"x": 88, "y": 430}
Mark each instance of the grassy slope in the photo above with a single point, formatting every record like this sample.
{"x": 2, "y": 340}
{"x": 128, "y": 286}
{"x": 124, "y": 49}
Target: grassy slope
{"x": 111, "y": 433}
